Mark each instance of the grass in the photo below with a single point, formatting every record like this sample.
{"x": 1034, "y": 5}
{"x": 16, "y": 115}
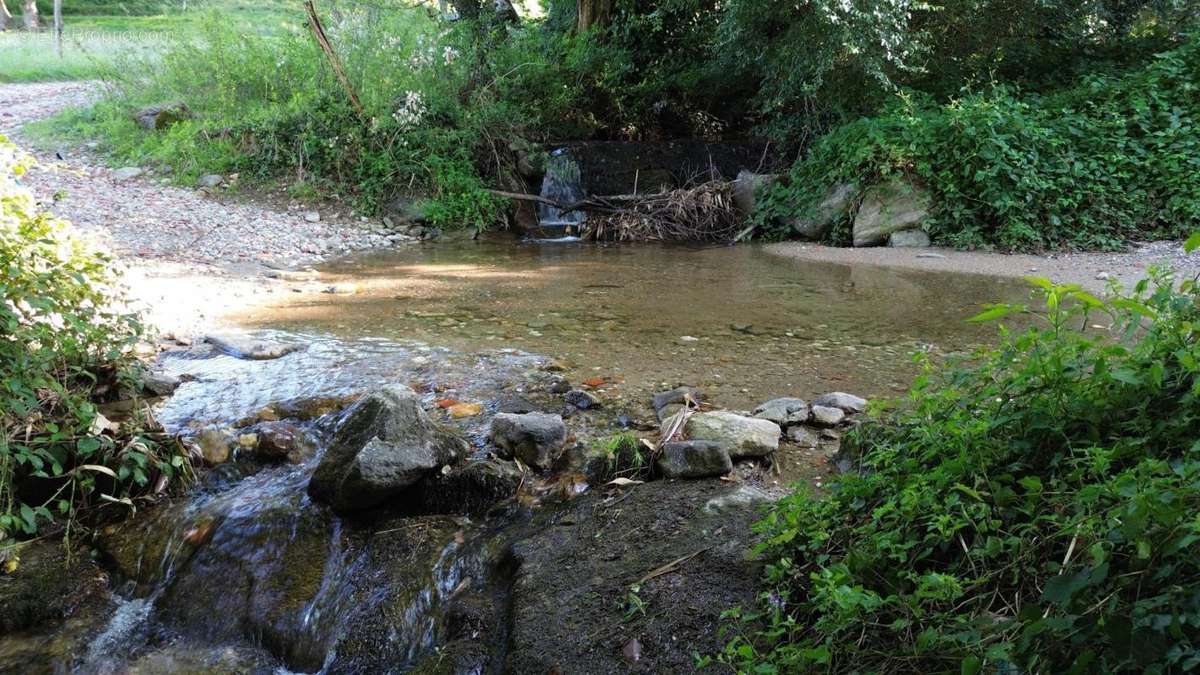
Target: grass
{"x": 93, "y": 46}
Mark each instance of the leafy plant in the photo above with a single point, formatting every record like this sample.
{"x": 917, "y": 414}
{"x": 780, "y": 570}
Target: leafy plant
{"x": 1031, "y": 510}
{"x": 65, "y": 347}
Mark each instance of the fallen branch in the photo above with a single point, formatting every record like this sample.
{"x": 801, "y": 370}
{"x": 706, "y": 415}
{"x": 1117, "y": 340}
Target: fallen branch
{"x": 669, "y": 567}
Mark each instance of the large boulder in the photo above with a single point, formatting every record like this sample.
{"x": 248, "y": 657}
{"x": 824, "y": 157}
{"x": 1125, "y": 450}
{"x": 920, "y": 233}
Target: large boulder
{"x": 748, "y": 188}
{"x": 694, "y": 459}
{"x": 817, "y": 221}
{"x": 909, "y": 239}
{"x": 889, "y": 207}
{"x": 742, "y": 436}
{"x": 158, "y": 117}
{"x": 534, "y": 438}
{"x": 384, "y": 444}
{"x": 783, "y": 411}
{"x": 471, "y": 488}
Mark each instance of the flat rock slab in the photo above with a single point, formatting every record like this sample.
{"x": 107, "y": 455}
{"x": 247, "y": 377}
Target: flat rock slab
{"x": 570, "y": 579}
{"x": 742, "y": 436}
{"x": 251, "y": 348}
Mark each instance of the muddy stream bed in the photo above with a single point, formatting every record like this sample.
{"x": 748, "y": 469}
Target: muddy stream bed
{"x": 481, "y": 567}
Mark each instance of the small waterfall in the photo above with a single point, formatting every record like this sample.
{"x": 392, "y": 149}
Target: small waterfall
{"x": 563, "y": 183}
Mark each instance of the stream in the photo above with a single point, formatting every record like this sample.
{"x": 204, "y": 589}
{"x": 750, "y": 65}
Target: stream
{"x": 248, "y": 574}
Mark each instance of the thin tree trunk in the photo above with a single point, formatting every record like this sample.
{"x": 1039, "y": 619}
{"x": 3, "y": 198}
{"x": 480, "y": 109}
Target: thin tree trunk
{"x": 29, "y": 7}
{"x": 58, "y": 27}
{"x": 592, "y": 14}
{"x": 5, "y": 16}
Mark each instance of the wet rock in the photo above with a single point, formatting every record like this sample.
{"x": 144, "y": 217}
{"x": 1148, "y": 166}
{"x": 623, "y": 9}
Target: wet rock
{"x": 675, "y": 396}
{"x": 742, "y": 436}
{"x": 568, "y": 576}
{"x": 816, "y": 224}
{"x": 889, "y": 207}
{"x": 783, "y": 411}
{"x": 534, "y": 438}
{"x": 558, "y": 385}
{"x": 250, "y": 348}
{"x": 694, "y": 459}
{"x": 584, "y": 400}
{"x": 215, "y": 445}
{"x": 282, "y": 441}
{"x": 160, "y": 384}
{"x": 211, "y": 180}
{"x": 46, "y": 586}
{"x": 909, "y": 239}
{"x": 514, "y": 404}
{"x": 127, "y": 173}
{"x": 384, "y": 444}
{"x": 848, "y": 403}
{"x": 472, "y": 488}
{"x": 823, "y": 416}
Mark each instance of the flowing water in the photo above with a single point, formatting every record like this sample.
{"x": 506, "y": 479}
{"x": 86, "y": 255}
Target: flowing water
{"x": 562, "y": 184}
{"x": 246, "y": 574}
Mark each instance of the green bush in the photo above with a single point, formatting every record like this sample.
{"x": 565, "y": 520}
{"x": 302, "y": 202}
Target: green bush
{"x": 1033, "y": 510}
{"x": 1110, "y": 160}
{"x": 65, "y": 346}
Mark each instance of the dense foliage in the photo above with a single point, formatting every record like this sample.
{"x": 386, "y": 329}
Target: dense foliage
{"x": 1111, "y": 159}
{"x": 1033, "y": 509}
{"x": 64, "y": 347}
{"x": 453, "y": 103}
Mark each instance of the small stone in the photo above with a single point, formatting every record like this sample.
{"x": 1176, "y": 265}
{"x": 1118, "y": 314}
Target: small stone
{"x": 534, "y": 438}
{"x": 248, "y": 441}
{"x": 127, "y": 173}
{"x": 803, "y": 436}
{"x": 160, "y": 384}
{"x": 823, "y": 416}
{"x": 742, "y": 436}
{"x": 584, "y": 400}
{"x": 312, "y": 216}
{"x": 514, "y": 404}
{"x": 688, "y": 338}
{"x": 211, "y": 180}
{"x": 694, "y": 459}
{"x": 1103, "y": 276}
{"x": 214, "y": 445}
{"x": 938, "y": 256}
{"x": 848, "y": 403}
{"x": 783, "y": 411}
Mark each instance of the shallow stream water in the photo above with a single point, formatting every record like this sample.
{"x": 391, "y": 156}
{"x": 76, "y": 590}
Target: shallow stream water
{"x": 247, "y": 574}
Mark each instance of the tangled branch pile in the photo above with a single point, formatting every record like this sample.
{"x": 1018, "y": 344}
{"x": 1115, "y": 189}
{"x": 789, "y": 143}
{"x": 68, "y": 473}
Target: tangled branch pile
{"x": 704, "y": 212}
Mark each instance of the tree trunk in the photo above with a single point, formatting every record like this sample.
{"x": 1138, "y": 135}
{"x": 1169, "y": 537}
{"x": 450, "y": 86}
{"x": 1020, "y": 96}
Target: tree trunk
{"x": 31, "y": 15}
{"x": 5, "y": 16}
{"x": 58, "y": 27}
{"x": 592, "y": 14}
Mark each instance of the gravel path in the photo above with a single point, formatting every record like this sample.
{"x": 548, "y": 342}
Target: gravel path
{"x": 194, "y": 256}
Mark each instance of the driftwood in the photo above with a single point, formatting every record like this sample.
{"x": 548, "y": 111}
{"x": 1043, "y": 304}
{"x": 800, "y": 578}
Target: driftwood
{"x": 704, "y": 212}
{"x": 314, "y": 22}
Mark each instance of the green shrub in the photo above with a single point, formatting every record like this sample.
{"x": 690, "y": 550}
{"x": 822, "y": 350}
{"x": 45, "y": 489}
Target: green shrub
{"x": 1110, "y": 160}
{"x": 1035, "y": 508}
{"x": 64, "y": 347}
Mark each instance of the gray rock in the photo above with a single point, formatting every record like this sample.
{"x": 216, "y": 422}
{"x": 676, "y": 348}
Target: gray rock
{"x": 312, "y": 216}
{"x": 127, "y": 173}
{"x": 742, "y": 436}
{"x": 514, "y": 404}
{"x": 823, "y": 416}
{"x": 472, "y": 488}
{"x": 803, "y": 436}
{"x": 748, "y": 187}
{"x": 383, "y": 445}
{"x": 843, "y": 401}
{"x": 408, "y": 213}
{"x": 889, "y": 207}
{"x": 742, "y": 497}
{"x": 250, "y": 348}
{"x": 909, "y": 239}
{"x": 584, "y": 400}
{"x": 694, "y": 459}
{"x": 282, "y": 441}
{"x": 677, "y": 395}
{"x": 158, "y": 117}
{"x": 212, "y": 180}
{"x": 783, "y": 411}
{"x": 534, "y": 438}
{"x": 818, "y": 221}
{"x": 160, "y": 384}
